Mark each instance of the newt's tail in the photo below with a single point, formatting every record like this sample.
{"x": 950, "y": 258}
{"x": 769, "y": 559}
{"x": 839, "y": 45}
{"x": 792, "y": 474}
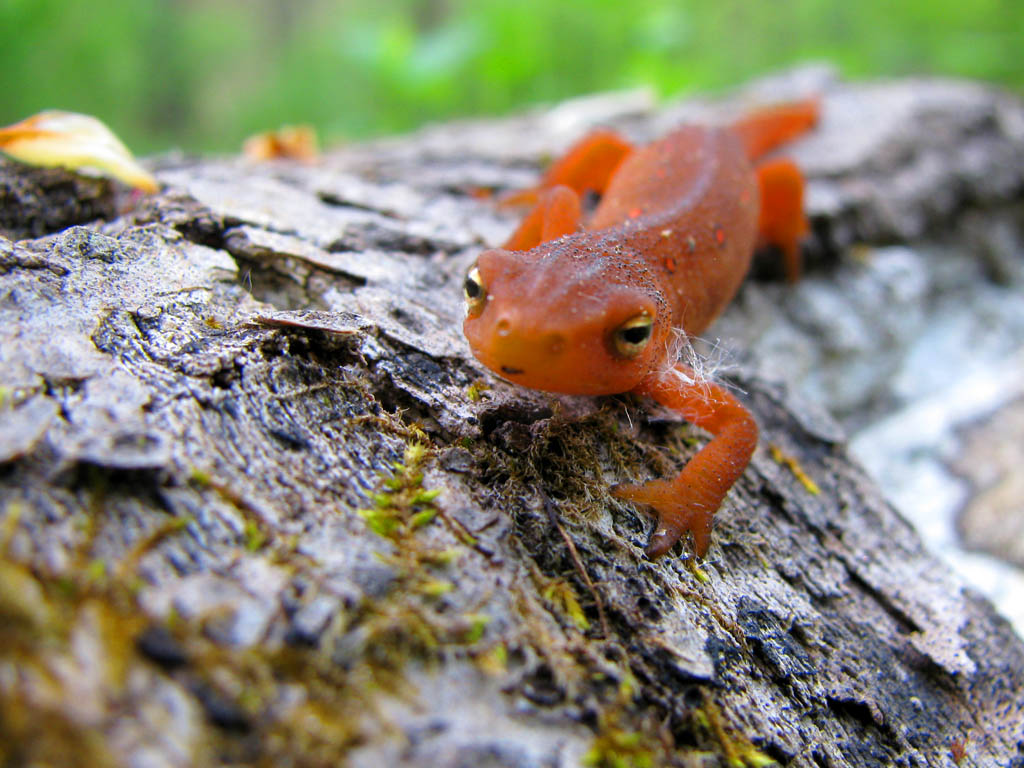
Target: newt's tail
{"x": 764, "y": 130}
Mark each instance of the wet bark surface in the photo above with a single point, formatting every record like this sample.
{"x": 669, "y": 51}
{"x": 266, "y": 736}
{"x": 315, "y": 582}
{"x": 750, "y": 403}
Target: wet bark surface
{"x": 261, "y": 506}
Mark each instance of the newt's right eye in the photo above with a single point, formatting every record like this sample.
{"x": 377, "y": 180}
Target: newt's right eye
{"x": 475, "y": 292}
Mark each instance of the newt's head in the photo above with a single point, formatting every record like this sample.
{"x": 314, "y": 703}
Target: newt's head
{"x": 566, "y": 318}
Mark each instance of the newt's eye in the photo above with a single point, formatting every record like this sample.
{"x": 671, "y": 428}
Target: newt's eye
{"x": 475, "y": 292}
{"x": 632, "y": 336}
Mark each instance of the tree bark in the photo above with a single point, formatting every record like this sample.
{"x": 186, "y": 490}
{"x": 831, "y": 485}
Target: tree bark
{"x": 261, "y": 505}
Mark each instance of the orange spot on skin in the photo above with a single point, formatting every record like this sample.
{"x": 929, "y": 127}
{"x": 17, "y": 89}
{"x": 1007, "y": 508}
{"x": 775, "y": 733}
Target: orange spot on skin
{"x": 670, "y": 263}
{"x": 635, "y": 212}
{"x": 719, "y": 236}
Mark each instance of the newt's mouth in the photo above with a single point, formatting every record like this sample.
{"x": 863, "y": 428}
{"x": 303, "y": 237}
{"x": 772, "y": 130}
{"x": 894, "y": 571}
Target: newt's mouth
{"x": 511, "y": 371}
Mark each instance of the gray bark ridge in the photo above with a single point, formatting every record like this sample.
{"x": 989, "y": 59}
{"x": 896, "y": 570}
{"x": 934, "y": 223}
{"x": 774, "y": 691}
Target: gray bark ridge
{"x": 260, "y": 504}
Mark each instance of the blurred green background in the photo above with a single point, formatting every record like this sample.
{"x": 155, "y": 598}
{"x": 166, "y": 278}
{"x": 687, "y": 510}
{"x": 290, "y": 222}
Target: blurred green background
{"x": 203, "y": 74}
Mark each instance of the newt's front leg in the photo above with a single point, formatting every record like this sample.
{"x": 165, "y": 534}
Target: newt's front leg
{"x": 587, "y": 166}
{"x": 556, "y": 213}
{"x": 689, "y": 501}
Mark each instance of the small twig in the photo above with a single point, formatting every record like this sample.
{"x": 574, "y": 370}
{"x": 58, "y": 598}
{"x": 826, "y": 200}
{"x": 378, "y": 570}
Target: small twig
{"x": 549, "y": 507}
{"x": 464, "y": 535}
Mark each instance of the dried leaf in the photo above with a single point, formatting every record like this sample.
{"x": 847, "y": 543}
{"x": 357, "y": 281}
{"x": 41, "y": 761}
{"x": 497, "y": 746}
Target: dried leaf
{"x": 292, "y": 142}
{"x": 74, "y": 141}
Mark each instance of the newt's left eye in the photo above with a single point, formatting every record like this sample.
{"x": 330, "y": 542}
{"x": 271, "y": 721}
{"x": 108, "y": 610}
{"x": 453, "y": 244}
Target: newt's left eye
{"x": 630, "y": 338}
{"x": 475, "y": 292}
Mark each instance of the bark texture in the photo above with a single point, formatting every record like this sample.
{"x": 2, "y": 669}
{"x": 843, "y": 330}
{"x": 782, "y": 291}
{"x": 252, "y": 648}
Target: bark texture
{"x": 261, "y": 506}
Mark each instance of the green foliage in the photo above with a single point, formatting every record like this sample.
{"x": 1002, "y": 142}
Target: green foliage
{"x": 404, "y": 506}
{"x": 205, "y": 73}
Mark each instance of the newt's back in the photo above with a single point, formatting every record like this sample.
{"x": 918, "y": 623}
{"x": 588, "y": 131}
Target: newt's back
{"x": 689, "y": 204}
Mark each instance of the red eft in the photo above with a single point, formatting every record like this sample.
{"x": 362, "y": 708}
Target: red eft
{"x": 593, "y": 308}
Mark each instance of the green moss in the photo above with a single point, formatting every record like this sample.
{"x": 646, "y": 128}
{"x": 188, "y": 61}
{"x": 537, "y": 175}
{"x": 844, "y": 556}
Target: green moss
{"x": 693, "y": 566}
{"x": 434, "y": 587}
{"x": 254, "y": 536}
{"x": 40, "y": 735}
{"x": 404, "y": 505}
{"x": 26, "y": 614}
{"x": 42, "y": 624}
{"x": 478, "y": 623}
{"x": 40, "y": 612}
{"x": 97, "y": 570}
{"x": 494, "y": 660}
{"x": 625, "y": 738}
{"x": 616, "y": 748}
{"x": 410, "y": 621}
{"x": 560, "y": 593}
{"x": 368, "y": 648}
{"x": 45, "y": 617}
{"x": 569, "y": 462}
{"x": 475, "y": 390}
{"x": 319, "y": 728}
{"x": 200, "y": 478}
{"x": 737, "y": 750}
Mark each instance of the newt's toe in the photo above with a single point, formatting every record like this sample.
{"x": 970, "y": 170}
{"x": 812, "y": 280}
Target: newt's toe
{"x": 662, "y": 540}
{"x": 672, "y": 529}
{"x": 675, "y": 519}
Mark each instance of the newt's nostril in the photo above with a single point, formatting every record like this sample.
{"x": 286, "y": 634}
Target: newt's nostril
{"x": 504, "y": 326}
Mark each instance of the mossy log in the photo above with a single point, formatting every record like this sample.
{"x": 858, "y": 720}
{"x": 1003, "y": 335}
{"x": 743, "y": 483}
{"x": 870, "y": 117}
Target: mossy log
{"x": 261, "y": 506}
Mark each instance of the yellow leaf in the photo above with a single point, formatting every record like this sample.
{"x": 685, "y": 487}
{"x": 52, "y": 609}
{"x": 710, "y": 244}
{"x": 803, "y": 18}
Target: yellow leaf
{"x": 73, "y": 141}
{"x": 294, "y": 142}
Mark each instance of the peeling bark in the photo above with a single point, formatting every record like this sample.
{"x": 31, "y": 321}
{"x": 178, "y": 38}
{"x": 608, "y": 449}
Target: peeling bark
{"x": 224, "y": 414}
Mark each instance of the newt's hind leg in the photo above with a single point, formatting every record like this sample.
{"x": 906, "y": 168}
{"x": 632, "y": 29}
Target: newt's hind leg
{"x": 765, "y": 129}
{"x": 688, "y": 502}
{"x": 782, "y": 221}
